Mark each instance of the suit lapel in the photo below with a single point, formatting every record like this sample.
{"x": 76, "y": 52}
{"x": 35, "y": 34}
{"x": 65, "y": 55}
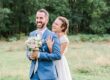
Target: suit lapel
{"x": 35, "y": 33}
{"x": 45, "y": 34}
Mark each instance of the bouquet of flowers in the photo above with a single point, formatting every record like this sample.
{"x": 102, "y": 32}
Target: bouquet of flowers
{"x": 33, "y": 43}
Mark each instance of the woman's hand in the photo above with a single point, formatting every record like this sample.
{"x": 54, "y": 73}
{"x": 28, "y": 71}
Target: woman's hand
{"x": 50, "y": 43}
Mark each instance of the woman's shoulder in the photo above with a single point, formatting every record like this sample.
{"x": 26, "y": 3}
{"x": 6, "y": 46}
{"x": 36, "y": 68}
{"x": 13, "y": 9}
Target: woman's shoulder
{"x": 64, "y": 38}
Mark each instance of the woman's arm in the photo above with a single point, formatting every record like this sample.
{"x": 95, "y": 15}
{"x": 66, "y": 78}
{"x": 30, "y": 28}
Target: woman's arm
{"x": 63, "y": 47}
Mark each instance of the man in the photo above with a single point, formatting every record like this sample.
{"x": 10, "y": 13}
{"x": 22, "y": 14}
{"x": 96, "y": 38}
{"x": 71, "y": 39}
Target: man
{"x": 46, "y": 69}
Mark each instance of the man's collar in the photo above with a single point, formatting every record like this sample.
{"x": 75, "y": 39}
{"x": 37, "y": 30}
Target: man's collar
{"x": 42, "y": 31}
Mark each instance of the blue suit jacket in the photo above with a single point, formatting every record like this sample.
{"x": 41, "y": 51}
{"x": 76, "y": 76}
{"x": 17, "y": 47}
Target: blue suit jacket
{"x": 46, "y": 68}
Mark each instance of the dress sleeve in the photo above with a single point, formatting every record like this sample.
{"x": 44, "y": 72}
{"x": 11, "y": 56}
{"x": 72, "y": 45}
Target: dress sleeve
{"x": 64, "y": 39}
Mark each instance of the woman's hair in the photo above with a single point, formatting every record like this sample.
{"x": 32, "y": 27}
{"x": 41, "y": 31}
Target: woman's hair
{"x": 65, "y": 24}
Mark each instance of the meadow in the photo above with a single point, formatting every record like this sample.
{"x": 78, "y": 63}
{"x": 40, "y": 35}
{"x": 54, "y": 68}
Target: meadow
{"x": 88, "y": 60}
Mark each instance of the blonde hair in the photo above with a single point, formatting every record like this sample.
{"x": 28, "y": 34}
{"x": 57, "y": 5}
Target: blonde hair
{"x": 65, "y": 23}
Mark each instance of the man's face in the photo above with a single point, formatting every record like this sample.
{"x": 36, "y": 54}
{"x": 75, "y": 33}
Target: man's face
{"x": 56, "y": 26}
{"x": 41, "y": 20}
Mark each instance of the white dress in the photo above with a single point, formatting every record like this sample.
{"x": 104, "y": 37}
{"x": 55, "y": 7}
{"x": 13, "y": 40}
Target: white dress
{"x": 62, "y": 65}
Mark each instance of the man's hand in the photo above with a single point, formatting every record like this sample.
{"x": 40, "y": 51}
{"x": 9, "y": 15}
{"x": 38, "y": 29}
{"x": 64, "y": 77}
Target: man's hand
{"x": 34, "y": 55}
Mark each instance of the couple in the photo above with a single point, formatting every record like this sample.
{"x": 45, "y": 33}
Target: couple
{"x": 52, "y": 64}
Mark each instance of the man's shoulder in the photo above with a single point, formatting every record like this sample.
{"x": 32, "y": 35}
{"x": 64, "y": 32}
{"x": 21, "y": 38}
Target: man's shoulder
{"x": 32, "y": 32}
{"x": 54, "y": 34}
{"x": 51, "y": 33}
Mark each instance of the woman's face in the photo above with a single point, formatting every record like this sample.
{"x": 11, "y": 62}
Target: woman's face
{"x": 56, "y": 26}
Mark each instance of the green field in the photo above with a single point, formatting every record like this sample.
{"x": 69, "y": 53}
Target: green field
{"x": 87, "y": 60}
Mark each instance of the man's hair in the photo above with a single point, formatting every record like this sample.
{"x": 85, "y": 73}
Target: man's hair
{"x": 65, "y": 23}
{"x": 44, "y": 11}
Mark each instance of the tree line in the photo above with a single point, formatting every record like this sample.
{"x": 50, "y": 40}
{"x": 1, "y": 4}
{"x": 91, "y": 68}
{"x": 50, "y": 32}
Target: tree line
{"x": 85, "y": 16}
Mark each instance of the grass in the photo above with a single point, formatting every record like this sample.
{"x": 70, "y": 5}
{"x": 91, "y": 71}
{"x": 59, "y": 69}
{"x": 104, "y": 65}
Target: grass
{"x": 87, "y": 60}
{"x": 13, "y": 63}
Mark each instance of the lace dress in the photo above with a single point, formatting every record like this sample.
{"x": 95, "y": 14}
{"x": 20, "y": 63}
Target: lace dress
{"x": 62, "y": 65}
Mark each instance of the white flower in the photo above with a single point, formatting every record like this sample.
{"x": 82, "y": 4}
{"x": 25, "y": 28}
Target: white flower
{"x": 33, "y": 42}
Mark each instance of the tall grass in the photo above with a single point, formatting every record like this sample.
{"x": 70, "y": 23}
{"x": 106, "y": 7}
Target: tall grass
{"x": 87, "y": 60}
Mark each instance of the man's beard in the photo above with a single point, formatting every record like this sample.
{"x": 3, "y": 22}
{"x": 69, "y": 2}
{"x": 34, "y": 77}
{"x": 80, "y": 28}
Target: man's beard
{"x": 41, "y": 26}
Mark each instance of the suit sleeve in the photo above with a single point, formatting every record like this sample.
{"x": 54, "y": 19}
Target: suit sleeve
{"x": 55, "y": 55}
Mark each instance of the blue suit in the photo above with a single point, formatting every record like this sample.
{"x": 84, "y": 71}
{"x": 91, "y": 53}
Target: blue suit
{"x": 46, "y": 67}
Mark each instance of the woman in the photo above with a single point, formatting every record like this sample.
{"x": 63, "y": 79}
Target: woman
{"x": 60, "y": 27}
